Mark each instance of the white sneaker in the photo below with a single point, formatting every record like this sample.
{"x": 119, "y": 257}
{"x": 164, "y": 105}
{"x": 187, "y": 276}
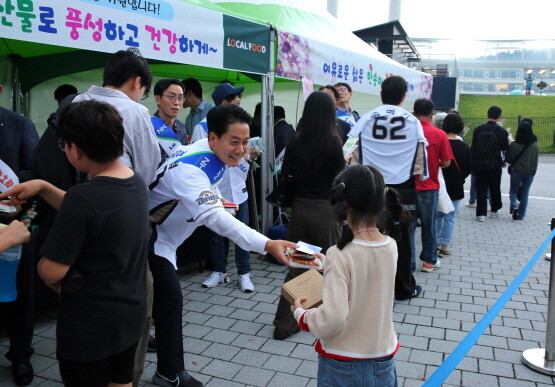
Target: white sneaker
{"x": 494, "y": 214}
{"x": 215, "y": 278}
{"x": 245, "y": 283}
{"x": 481, "y": 218}
{"x": 471, "y": 205}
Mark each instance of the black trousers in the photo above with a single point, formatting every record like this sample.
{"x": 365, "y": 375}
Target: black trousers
{"x": 402, "y": 232}
{"x": 404, "y": 280}
{"x": 312, "y": 221}
{"x": 19, "y": 313}
{"x": 488, "y": 180}
{"x": 167, "y": 310}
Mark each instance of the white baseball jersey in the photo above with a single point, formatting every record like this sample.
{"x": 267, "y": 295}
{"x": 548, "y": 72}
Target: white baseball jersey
{"x": 199, "y": 204}
{"x": 344, "y": 116}
{"x": 389, "y": 137}
{"x": 233, "y": 186}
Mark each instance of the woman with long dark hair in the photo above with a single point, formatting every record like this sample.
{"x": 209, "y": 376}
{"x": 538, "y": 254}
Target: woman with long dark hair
{"x": 523, "y": 156}
{"x": 314, "y": 157}
{"x": 454, "y": 175}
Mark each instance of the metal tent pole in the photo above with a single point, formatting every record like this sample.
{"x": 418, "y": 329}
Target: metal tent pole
{"x": 267, "y": 122}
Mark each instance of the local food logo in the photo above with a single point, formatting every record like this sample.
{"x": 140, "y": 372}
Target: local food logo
{"x": 207, "y": 197}
{"x": 241, "y": 44}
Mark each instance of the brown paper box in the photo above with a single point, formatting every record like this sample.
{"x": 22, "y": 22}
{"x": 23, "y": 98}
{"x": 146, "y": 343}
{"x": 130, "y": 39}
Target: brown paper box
{"x": 310, "y": 284}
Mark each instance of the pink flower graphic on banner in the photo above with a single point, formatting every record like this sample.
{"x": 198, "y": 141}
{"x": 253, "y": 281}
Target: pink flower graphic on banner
{"x": 293, "y": 56}
{"x": 427, "y": 83}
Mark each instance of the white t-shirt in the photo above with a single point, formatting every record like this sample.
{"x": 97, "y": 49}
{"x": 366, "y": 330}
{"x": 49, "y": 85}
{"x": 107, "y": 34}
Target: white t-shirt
{"x": 200, "y": 131}
{"x": 140, "y": 146}
{"x": 389, "y": 137}
{"x": 233, "y": 186}
{"x": 199, "y": 204}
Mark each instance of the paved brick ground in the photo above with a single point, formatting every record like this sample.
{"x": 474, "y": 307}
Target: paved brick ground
{"x": 228, "y": 334}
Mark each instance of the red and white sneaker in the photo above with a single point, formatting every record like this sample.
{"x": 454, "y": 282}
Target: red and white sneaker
{"x": 428, "y": 267}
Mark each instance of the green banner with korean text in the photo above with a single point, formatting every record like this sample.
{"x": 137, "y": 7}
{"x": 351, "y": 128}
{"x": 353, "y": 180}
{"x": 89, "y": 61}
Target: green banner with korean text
{"x": 246, "y": 45}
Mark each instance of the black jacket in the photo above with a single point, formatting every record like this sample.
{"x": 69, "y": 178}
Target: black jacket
{"x": 18, "y": 138}
{"x": 283, "y": 133}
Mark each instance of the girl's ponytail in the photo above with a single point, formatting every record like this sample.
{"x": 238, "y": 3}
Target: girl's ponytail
{"x": 337, "y": 197}
{"x": 346, "y": 236}
{"x": 399, "y": 215}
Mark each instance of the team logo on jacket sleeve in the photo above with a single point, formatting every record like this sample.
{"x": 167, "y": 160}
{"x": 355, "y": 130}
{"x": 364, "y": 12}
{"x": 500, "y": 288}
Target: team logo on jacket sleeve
{"x": 207, "y": 197}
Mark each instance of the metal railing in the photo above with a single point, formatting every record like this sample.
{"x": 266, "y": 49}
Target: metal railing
{"x": 544, "y": 129}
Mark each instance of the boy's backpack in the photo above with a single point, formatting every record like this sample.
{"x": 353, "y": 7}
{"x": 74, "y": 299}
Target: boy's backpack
{"x": 485, "y": 153}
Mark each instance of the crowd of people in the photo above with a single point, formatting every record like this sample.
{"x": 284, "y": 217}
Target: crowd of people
{"x": 120, "y": 192}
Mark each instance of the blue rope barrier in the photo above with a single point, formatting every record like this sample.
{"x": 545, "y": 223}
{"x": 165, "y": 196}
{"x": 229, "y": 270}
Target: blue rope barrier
{"x": 445, "y": 369}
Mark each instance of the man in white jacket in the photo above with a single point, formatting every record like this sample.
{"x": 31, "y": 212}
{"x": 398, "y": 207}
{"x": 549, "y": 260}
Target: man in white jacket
{"x": 186, "y": 189}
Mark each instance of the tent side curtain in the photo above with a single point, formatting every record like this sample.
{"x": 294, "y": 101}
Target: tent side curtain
{"x": 172, "y": 31}
{"x": 37, "y": 69}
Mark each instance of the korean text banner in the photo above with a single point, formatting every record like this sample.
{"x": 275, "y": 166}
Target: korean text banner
{"x": 168, "y": 30}
{"x": 324, "y": 64}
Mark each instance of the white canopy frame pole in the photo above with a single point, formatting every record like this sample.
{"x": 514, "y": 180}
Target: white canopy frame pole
{"x": 267, "y": 121}
{"x": 16, "y": 87}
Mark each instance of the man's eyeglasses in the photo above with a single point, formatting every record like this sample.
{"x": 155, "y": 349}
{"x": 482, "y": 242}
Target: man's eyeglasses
{"x": 145, "y": 95}
{"x": 342, "y": 89}
{"x": 173, "y": 97}
{"x": 62, "y": 144}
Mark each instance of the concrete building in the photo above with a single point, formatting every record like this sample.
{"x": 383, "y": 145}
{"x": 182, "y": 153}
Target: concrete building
{"x": 491, "y": 67}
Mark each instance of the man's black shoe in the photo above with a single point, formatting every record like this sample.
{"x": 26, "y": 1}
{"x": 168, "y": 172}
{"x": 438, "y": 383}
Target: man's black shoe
{"x": 22, "y": 372}
{"x": 281, "y": 335}
{"x": 152, "y": 345}
{"x": 183, "y": 379}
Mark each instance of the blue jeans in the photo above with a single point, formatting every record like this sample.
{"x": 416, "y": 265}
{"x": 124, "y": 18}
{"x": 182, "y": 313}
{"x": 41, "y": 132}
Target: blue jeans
{"x": 242, "y": 257}
{"x": 427, "y": 209}
{"x": 445, "y": 224}
{"x": 522, "y": 181}
{"x": 472, "y": 198}
{"x": 352, "y": 373}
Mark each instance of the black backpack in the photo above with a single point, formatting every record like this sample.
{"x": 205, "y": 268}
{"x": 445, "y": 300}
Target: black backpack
{"x": 485, "y": 153}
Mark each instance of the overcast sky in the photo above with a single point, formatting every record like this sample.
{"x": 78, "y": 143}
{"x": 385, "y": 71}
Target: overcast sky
{"x": 461, "y": 19}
